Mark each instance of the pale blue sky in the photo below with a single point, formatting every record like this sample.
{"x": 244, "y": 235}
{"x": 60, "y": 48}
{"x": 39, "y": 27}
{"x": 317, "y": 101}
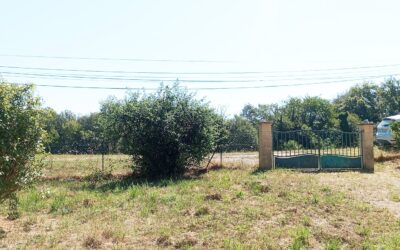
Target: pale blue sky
{"x": 253, "y": 35}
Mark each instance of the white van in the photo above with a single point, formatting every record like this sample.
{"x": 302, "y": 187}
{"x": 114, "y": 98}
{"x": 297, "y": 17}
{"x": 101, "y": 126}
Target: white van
{"x": 384, "y": 134}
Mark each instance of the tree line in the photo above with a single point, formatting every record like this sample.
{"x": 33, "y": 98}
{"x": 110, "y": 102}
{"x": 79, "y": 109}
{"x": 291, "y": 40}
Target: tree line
{"x": 68, "y": 133}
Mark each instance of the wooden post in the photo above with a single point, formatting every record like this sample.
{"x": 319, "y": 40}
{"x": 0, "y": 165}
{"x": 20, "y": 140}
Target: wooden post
{"x": 265, "y": 147}
{"x": 367, "y": 146}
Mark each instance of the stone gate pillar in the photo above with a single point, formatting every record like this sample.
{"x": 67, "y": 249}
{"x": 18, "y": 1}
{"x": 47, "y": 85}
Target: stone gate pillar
{"x": 265, "y": 146}
{"x": 367, "y": 146}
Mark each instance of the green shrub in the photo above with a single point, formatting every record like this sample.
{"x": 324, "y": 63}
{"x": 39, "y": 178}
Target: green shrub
{"x": 395, "y": 127}
{"x": 165, "y": 132}
{"x": 20, "y": 138}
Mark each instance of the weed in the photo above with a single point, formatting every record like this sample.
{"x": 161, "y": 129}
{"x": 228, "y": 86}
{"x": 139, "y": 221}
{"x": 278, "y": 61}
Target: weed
{"x": 202, "y": 211}
{"x": 314, "y": 199}
{"x": 363, "y": 231}
{"x": 306, "y": 221}
{"x": 239, "y": 194}
{"x": 3, "y": 233}
{"x": 333, "y": 245}
{"x": 395, "y": 197}
{"x": 59, "y": 205}
{"x": 258, "y": 188}
{"x": 232, "y": 244}
{"x": 301, "y": 236}
{"x": 134, "y": 192}
{"x": 13, "y": 212}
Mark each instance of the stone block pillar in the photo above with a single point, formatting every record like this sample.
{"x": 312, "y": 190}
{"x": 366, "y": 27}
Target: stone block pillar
{"x": 265, "y": 146}
{"x": 367, "y": 146}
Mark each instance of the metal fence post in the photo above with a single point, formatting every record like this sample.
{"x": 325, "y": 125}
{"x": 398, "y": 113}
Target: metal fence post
{"x": 265, "y": 147}
{"x": 367, "y": 146}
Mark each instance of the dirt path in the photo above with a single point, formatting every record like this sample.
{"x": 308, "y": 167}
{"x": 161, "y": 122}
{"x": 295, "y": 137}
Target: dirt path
{"x": 381, "y": 189}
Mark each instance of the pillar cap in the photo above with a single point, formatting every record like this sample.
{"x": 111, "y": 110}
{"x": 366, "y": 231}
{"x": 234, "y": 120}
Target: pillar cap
{"x": 267, "y": 122}
{"x": 365, "y": 123}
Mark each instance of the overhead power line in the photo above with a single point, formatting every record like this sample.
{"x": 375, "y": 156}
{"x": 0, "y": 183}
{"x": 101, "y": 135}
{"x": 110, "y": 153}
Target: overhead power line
{"x": 194, "y": 88}
{"x": 114, "y": 59}
{"x": 172, "y": 60}
{"x": 141, "y": 79}
{"x": 224, "y": 74}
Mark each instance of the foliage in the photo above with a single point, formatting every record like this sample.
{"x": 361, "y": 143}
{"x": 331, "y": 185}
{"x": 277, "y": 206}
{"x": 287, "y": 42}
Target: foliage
{"x": 296, "y": 113}
{"x": 389, "y": 97}
{"x": 165, "y": 132}
{"x": 348, "y": 122}
{"x": 242, "y": 135}
{"x": 361, "y": 100}
{"x": 69, "y": 134}
{"x": 20, "y": 138}
{"x": 395, "y": 127}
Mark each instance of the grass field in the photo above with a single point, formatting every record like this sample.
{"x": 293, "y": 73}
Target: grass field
{"x": 233, "y": 207}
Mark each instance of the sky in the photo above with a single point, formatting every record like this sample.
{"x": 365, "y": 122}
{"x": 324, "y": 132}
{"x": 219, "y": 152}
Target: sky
{"x": 286, "y": 42}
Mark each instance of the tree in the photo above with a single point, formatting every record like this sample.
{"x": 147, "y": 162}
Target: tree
{"x": 308, "y": 113}
{"x": 242, "y": 135}
{"x": 20, "y": 138}
{"x": 361, "y": 100}
{"x": 389, "y": 97}
{"x": 165, "y": 132}
{"x": 265, "y": 112}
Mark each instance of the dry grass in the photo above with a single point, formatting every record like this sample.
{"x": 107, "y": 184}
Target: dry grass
{"x": 232, "y": 208}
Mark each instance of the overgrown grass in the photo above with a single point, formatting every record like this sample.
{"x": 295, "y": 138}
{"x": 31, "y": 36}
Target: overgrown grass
{"x": 232, "y": 208}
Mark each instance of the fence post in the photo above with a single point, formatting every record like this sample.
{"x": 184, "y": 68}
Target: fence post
{"x": 265, "y": 148}
{"x": 367, "y": 146}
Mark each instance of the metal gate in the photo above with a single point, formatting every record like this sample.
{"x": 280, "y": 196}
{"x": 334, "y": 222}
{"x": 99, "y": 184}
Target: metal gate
{"x": 317, "y": 149}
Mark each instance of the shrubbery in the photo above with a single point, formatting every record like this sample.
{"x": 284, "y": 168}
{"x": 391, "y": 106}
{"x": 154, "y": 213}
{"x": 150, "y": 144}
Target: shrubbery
{"x": 20, "y": 140}
{"x": 165, "y": 132}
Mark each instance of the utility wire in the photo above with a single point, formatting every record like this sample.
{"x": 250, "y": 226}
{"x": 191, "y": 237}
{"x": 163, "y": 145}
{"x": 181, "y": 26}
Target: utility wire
{"x": 224, "y": 74}
{"x": 196, "y": 88}
{"x": 171, "y": 60}
{"x": 122, "y": 78}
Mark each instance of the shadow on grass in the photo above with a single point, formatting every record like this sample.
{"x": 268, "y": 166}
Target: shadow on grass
{"x": 106, "y": 182}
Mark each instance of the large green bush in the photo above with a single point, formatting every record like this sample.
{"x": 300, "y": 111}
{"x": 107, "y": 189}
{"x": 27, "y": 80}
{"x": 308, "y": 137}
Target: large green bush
{"x": 165, "y": 132}
{"x": 20, "y": 138}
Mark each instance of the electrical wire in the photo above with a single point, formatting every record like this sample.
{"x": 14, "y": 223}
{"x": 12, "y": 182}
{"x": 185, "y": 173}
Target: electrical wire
{"x": 191, "y": 88}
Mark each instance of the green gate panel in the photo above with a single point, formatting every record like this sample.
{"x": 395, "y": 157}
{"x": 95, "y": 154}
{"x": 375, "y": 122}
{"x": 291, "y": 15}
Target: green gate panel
{"x": 298, "y": 161}
{"x": 340, "y": 162}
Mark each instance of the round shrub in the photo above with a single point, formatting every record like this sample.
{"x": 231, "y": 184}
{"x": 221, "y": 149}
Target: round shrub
{"x": 20, "y": 138}
{"x": 165, "y": 132}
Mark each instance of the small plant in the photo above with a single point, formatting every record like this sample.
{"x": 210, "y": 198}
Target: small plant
{"x": 395, "y": 197}
{"x": 202, "y": 211}
{"x": 306, "y": 221}
{"x": 239, "y": 195}
{"x": 333, "y": 245}
{"x": 301, "y": 236}
{"x": 3, "y": 233}
{"x": 363, "y": 231}
{"x": 134, "y": 192}
{"x": 13, "y": 212}
{"x": 314, "y": 199}
{"x": 59, "y": 205}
